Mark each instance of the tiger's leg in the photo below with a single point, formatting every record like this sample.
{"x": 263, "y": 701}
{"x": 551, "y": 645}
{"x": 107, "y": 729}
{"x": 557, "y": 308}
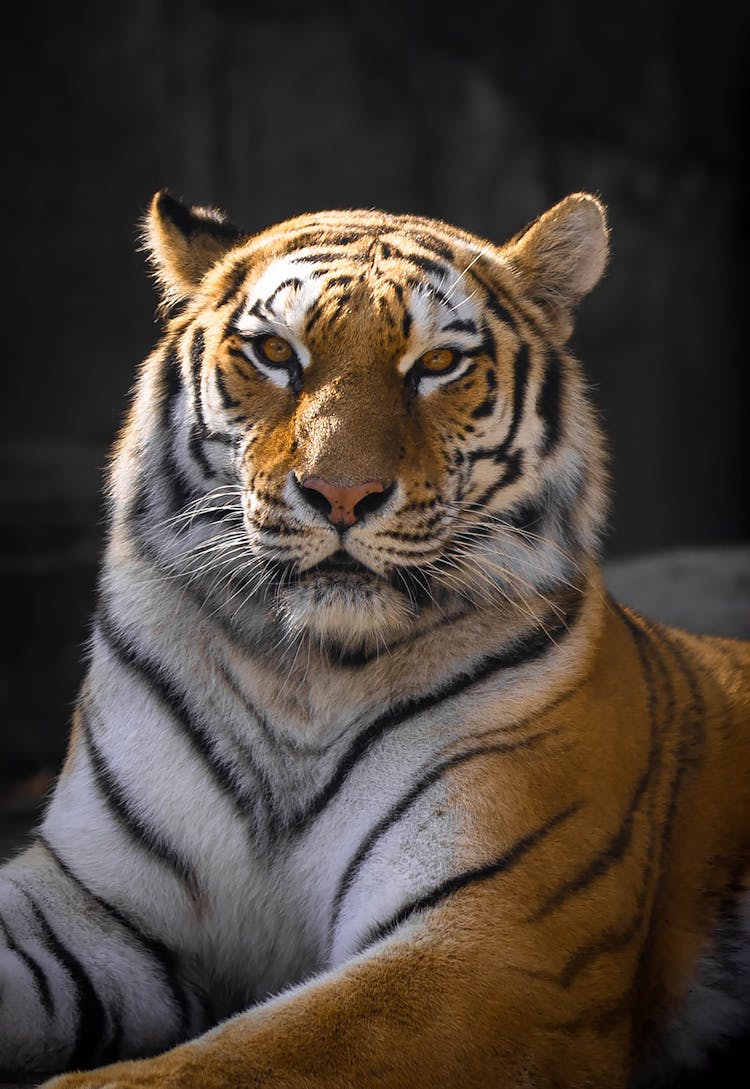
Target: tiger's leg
{"x": 435, "y": 1008}
{"x": 80, "y": 982}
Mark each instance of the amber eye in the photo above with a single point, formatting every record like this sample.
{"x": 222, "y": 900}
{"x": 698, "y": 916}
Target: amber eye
{"x": 438, "y": 360}
{"x": 276, "y": 350}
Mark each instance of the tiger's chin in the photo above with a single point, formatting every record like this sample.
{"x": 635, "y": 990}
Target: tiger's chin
{"x": 347, "y": 613}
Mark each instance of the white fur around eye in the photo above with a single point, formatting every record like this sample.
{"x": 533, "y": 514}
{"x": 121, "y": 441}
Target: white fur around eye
{"x": 428, "y": 383}
{"x": 280, "y": 376}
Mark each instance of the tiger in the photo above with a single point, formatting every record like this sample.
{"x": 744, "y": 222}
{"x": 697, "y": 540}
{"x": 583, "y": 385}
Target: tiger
{"x": 370, "y": 782}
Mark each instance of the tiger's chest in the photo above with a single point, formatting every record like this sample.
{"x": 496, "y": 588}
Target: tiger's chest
{"x": 345, "y": 838}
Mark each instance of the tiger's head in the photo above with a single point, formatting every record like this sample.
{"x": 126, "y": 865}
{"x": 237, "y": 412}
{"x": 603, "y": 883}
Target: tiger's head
{"x": 369, "y": 417}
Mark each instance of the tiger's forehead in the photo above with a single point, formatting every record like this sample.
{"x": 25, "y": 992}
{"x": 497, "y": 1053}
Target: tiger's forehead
{"x": 425, "y": 294}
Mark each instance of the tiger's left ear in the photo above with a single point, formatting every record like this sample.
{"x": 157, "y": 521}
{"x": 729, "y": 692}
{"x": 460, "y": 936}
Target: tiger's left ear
{"x": 184, "y": 243}
{"x": 560, "y": 257}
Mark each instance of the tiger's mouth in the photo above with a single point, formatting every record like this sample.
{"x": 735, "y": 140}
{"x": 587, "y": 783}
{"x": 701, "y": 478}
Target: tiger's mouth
{"x": 339, "y": 566}
{"x": 341, "y": 602}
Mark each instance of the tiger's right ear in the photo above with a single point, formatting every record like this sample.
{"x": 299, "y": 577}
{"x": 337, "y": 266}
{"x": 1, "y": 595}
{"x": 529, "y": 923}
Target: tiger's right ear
{"x": 183, "y": 243}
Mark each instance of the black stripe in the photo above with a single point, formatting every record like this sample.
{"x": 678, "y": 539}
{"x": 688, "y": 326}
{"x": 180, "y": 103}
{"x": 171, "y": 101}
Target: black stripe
{"x": 513, "y": 471}
{"x": 487, "y": 407}
{"x": 619, "y": 842}
{"x": 197, "y": 348}
{"x": 615, "y": 940}
{"x": 429, "y": 242}
{"x": 291, "y": 281}
{"x": 459, "y": 326}
{"x": 234, "y": 283}
{"x": 128, "y": 819}
{"x": 498, "y": 308}
{"x": 601, "y": 1018}
{"x": 325, "y": 255}
{"x": 690, "y": 745}
{"x": 397, "y": 811}
{"x": 528, "y": 513}
{"x": 171, "y": 384}
{"x": 274, "y": 739}
{"x": 426, "y": 264}
{"x": 548, "y": 404}
{"x": 196, "y": 450}
{"x": 534, "y": 645}
{"x": 165, "y": 957}
{"x": 507, "y": 861}
{"x": 175, "y": 702}
{"x": 94, "y": 1025}
{"x": 521, "y": 368}
{"x": 313, "y": 314}
{"x": 37, "y": 972}
{"x": 225, "y": 396}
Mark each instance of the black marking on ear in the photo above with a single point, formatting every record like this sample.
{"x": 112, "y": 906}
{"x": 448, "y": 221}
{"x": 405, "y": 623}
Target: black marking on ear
{"x": 548, "y": 404}
{"x": 406, "y": 323}
{"x": 190, "y": 223}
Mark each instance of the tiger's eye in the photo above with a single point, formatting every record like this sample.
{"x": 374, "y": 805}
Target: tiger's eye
{"x": 276, "y": 350}
{"x": 438, "y": 360}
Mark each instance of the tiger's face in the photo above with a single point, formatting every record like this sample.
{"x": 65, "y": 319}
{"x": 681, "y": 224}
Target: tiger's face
{"x": 392, "y": 401}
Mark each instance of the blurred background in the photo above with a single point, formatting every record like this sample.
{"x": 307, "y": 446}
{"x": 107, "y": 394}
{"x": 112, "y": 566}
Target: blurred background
{"x": 480, "y": 114}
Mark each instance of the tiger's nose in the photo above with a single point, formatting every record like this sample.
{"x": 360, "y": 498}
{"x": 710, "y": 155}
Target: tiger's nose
{"x": 344, "y": 506}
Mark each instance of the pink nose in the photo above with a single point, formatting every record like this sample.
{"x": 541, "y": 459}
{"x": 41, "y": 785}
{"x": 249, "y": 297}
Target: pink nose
{"x": 342, "y": 501}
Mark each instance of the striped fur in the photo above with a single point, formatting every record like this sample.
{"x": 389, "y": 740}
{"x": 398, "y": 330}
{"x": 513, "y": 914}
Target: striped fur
{"x": 407, "y": 804}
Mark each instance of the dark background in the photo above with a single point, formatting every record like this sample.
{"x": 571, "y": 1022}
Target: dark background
{"x": 483, "y": 115}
